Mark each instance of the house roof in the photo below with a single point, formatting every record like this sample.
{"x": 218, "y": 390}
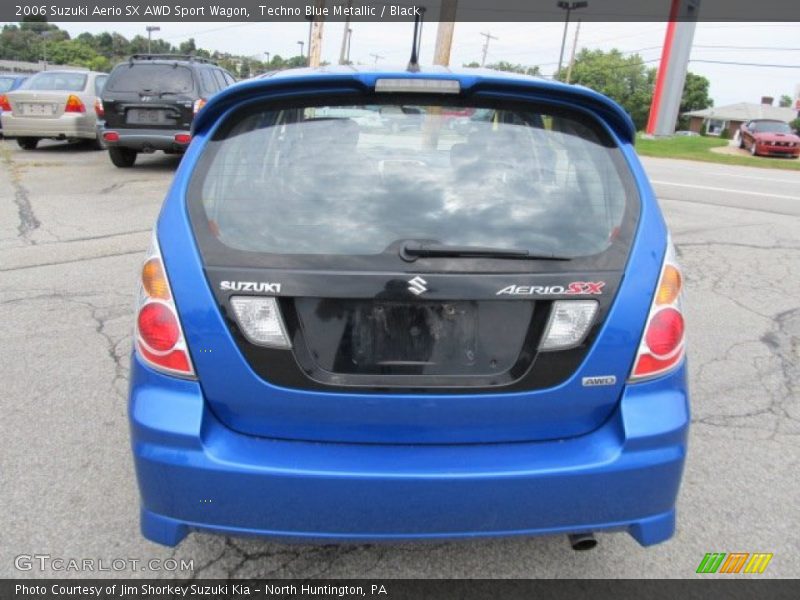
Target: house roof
{"x": 744, "y": 111}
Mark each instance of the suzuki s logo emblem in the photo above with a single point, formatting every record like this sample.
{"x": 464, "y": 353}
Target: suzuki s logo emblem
{"x": 417, "y": 285}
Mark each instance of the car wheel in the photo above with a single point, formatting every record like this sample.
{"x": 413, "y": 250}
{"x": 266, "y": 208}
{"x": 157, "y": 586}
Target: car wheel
{"x": 753, "y": 150}
{"x": 741, "y": 142}
{"x": 122, "y": 157}
{"x": 28, "y": 143}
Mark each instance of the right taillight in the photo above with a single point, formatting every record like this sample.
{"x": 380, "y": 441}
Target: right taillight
{"x": 663, "y": 342}
{"x": 5, "y": 105}
{"x": 159, "y": 336}
{"x": 99, "y": 110}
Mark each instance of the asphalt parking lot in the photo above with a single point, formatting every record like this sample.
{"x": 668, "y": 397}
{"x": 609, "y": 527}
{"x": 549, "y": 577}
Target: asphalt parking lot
{"x": 73, "y": 230}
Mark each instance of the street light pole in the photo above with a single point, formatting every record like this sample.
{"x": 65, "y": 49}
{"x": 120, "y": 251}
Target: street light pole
{"x": 301, "y": 43}
{"x": 267, "y": 54}
{"x": 150, "y": 30}
{"x": 569, "y": 7}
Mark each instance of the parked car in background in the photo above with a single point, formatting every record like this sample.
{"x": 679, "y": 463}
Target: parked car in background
{"x": 769, "y": 138}
{"x": 362, "y": 116}
{"x": 150, "y": 101}
{"x": 56, "y": 105}
{"x": 479, "y": 333}
{"x": 8, "y": 83}
{"x": 402, "y": 117}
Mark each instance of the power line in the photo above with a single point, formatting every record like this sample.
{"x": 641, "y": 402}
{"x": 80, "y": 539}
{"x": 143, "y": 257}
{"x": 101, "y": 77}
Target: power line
{"x": 777, "y": 48}
{"x": 743, "y": 64}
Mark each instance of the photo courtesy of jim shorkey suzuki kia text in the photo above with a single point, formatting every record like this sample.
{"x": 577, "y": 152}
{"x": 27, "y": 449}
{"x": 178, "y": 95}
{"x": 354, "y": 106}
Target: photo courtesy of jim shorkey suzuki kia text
{"x": 193, "y": 590}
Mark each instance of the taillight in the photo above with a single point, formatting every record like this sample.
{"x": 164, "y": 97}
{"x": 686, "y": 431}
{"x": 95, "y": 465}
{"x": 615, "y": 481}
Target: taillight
{"x": 74, "y": 105}
{"x": 4, "y": 103}
{"x": 111, "y": 136}
{"x": 198, "y": 104}
{"x": 159, "y": 336}
{"x": 663, "y": 342}
{"x": 182, "y": 138}
{"x": 99, "y": 109}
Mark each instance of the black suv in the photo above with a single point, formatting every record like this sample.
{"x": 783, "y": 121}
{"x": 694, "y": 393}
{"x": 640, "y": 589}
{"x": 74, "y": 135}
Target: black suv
{"x": 150, "y": 101}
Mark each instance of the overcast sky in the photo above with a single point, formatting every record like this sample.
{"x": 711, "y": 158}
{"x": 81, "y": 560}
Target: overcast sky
{"x": 526, "y": 43}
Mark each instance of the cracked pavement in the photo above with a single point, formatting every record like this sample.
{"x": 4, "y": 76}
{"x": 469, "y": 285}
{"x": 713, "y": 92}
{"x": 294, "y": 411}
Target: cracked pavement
{"x": 73, "y": 230}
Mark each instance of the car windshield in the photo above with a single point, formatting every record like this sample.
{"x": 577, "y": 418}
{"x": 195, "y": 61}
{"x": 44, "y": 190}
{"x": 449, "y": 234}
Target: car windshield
{"x": 153, "y": 78}
{"x": 771, "y": 127}
{"x": 354, "y": 180}
{"x": 56, "y": 81}
{"x": 6, "y": 83}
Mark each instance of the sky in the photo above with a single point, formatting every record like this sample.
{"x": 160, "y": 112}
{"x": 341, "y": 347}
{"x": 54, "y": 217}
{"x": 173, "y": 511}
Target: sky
{"x": 534, "y": 43}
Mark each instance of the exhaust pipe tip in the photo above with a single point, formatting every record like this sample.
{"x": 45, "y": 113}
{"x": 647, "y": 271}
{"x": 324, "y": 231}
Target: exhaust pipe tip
{"x": 582, "y": 541}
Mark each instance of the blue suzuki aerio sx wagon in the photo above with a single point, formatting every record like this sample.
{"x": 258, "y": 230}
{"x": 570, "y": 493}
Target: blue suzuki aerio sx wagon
{"x": 392, "y": 305}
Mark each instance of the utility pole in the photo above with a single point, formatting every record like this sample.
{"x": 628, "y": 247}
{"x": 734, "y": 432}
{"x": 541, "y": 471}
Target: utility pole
{"x": 315, "y": 41}
{"x": 572, "y": 56}
{"x": 488, "y": 37}
{"x": 441, "y": 56}
{"x": 569, "y": 7}
{"x": 150, "y": 29}
{"x": 345, "y": 35}
{"x": 377, "y": 57}
{"x": 300, "y": 43}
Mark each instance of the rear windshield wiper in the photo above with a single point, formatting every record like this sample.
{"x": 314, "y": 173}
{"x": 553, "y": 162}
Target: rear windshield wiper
{"x": 411, "y": 251}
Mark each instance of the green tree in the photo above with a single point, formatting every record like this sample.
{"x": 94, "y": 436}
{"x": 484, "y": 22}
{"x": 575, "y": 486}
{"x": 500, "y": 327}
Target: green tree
{"x": 785, "y": 101}
{"x": 695, "y": 97}
{"x": 630, "y": 82}
{"x": 625, "y": 79}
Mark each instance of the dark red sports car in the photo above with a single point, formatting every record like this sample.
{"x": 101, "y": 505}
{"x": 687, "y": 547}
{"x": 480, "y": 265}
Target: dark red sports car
{"x": 769, "y": 138}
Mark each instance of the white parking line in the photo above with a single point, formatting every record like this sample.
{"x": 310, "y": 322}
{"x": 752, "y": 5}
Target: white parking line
{"x": 725, "y": 173}
{"x": 728, "y": 190}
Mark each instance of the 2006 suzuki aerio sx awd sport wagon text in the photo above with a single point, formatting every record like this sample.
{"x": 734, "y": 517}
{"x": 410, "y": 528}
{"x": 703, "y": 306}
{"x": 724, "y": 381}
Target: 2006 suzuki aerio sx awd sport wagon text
{"x": 355, "y": 328}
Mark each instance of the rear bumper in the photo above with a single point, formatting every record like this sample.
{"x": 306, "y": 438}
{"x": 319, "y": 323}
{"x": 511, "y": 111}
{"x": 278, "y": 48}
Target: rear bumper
{"x": 144, "y": 140}
{"x": 195, "y": 473}
{"x": 67, "y": 126}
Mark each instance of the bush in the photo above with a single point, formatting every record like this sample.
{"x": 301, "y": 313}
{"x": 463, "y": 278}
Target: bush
{"x": 725, "y": 134}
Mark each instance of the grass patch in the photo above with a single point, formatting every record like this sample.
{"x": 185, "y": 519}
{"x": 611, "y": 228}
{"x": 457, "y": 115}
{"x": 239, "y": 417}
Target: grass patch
{"x": 699, "y": 148}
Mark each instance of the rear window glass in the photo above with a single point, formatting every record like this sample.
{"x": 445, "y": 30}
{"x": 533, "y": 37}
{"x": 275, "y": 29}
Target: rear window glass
{"x": 158, "y": 79}
{"x": 6, "y": 83}
{"x": 99, "y": 84}
{"x": 53, "y": 80}
{"x": 354, "y": 180}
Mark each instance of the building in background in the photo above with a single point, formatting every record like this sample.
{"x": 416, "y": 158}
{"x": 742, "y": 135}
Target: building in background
{"x": 721, "y": 118}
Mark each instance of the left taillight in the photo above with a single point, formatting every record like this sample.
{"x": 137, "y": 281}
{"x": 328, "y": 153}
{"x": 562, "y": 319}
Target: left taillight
{"x": 159, "y": 337}
{"x": 5, "y": 105}
{"x": 663, "y": 342}
{"x": 99, "y": 109}
{"x": 74, "y": 105}
{"x": 198, "y": 104}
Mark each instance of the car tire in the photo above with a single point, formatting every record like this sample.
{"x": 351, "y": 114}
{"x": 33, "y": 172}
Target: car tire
{"x": 741, "y": 142}
{"x": 122, "y": 157}
{"x": 753, "y": 150}
{"x": 28, "y": 143}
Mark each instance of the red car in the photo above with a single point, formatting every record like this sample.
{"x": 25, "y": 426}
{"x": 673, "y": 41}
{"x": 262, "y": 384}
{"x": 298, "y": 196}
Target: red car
{"x": 770, "y": 138}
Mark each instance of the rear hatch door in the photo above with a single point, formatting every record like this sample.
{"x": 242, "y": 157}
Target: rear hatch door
{"x": 144, "y": 95}
{"x": 435, "y": 348}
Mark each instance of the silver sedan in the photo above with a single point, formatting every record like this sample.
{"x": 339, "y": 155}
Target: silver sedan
{"x": 57, "y": 105}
